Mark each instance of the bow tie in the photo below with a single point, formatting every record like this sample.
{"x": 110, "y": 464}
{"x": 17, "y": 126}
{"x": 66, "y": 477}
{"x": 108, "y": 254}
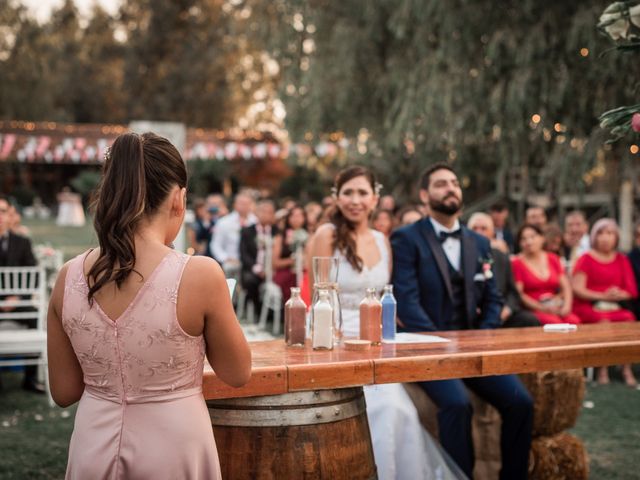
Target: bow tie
{"x": 444, "y": 235}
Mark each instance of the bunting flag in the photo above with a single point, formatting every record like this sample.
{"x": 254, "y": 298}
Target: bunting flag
{"x": 30, "y": 146}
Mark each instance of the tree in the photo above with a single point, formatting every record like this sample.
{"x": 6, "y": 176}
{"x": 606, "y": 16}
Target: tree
{"x": 101, "y": 96}
{"x": 419, "y": 81}
{"x": 24, "y": 84}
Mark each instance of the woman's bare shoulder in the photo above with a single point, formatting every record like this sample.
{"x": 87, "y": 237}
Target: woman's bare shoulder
{"x": 325, "y": 231}
{"x": 203, "y": 268}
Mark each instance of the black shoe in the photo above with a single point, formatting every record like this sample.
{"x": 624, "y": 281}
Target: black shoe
{"x": 33, "y": 386}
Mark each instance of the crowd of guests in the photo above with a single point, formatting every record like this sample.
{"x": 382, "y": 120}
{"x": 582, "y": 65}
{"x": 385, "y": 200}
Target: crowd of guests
{"x": 445, "y": 275}
{"x": 545, "y": 273}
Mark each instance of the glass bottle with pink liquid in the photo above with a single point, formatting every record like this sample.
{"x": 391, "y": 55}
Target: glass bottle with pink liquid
{"x": 295, "y": 313}
{"x": 371, "y": 318}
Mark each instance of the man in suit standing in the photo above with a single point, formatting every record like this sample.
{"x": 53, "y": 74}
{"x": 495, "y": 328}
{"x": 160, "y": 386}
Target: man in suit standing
{"x": 443, "y": 281}
{"x": 15, "y": 251}
{"x": 256, "y": 242}
{"x": 499, "y": 215}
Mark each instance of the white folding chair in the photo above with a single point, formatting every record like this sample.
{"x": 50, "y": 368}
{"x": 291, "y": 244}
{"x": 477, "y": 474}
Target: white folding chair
{"x": 272, "y": 297}
{"x": 244, "y": 309}
{"x": 17, "y": 342}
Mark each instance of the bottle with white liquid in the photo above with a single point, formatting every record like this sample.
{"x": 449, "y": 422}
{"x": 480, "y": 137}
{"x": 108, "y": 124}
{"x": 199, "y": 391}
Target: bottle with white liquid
{"x": 322, "y": 328}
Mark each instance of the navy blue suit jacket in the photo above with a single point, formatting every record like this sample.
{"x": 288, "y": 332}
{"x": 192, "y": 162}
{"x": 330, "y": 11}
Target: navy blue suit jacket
{"x": 422, "y": 286}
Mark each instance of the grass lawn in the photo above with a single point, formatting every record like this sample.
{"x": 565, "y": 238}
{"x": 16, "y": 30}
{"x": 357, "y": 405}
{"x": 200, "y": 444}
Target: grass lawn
{"x": 71, "y": 240}
{"x": 34, "y": 437}
{"x": 611, "y": 429}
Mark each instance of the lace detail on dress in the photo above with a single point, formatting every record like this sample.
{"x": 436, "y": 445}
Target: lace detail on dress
{"x": 144, "y": 353}
{"x": 352, "y": 285}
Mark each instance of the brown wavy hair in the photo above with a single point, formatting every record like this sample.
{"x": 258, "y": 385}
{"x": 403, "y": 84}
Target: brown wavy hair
{"x": 343, "y": 236}
{"x": 138, "y": 174}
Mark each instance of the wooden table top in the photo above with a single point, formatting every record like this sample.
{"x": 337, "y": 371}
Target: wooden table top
{"x": 280, "y": 369}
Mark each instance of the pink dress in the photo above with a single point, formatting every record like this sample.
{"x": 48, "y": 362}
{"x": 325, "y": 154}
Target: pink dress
{"x": 542, "y": 288}
{"x": 142, "y": 414}
{"x": 600, "y": 277}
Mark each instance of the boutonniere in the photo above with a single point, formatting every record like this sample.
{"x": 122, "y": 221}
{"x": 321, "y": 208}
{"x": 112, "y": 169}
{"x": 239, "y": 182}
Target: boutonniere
{"x": 486, "y": 267}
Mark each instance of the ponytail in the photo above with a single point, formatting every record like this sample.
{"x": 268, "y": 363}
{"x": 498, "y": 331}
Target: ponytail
{"x": 138, "y": 174}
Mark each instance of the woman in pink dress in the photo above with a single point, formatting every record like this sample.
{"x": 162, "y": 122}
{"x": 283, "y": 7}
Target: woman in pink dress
{"x": 602, "y": 278}
{"x": 130, "y": 322}
{"x": 540, "y": 279}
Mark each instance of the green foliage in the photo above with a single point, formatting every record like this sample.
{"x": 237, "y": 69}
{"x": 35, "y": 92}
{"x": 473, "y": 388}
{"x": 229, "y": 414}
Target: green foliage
{"x": 304, "y": 185}
{"x": 180, "y": 61}
{"x": 86, "y": 182}
{"x": 409, "y": 81}
{"x": 207, "y": 176}
{"x": 457, "y": 80}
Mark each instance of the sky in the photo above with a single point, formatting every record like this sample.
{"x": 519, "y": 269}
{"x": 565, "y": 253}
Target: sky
{"x": 42, "y": 8}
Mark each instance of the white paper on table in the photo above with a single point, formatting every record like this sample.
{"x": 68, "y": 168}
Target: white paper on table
{"x": 406, "y": 337}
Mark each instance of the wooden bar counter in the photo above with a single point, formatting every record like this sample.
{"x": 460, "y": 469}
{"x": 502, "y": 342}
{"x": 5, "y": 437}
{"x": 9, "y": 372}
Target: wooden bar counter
{"x": 279, "y": 369}
{"x": 302, "y": 414}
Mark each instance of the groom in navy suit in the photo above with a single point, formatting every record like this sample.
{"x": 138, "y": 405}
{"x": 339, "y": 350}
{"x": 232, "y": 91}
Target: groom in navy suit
{"x": 442, "y": 281}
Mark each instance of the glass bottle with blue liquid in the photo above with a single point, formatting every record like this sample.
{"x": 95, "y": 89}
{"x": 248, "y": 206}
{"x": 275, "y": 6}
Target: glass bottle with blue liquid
{"x": 389, "y": 310}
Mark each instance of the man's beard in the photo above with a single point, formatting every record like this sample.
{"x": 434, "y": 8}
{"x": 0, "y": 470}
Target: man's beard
{"x": 447, "y": 209}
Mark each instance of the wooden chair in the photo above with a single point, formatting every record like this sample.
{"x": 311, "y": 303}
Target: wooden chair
{"x": 18, "y": 345}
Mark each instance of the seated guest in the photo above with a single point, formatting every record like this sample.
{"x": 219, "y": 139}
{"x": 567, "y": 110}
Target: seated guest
{"x": 254, "y": 241}
{"x": 312, "y": 210}
{"x": 540, "y": 279}
{"x": 602, "y": 278}
{"x": 408, "y": 214}
{"x": 553, "y": 241}
{"x": 200, "y": 232}
{"x": 15, "y": 251}
{"x": 387, "y": 202}
{"x": 576, "y": 237}
{"x": 535, "y": 215}
{"x": 442, "y": 281}
{"x": 483, "y": 225}
{"x": 382, "y": 221}
{"x": 225, "y": 244}
{"x": 15, "y": 223}
{"x": 513, "y": 313}
{"x": 634, "y": 258}
{"x": 499, "y": 215}
{"x": 285, "y": 245}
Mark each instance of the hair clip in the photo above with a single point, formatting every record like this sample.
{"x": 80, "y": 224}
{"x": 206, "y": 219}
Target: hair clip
{"x": 334, "y": 191}
{"x": 378, "y": 188}
{"x": 107, "y": 154}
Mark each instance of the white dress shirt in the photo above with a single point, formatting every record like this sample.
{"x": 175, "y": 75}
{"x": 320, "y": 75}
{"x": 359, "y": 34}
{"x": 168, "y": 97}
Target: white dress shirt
{"x": 451, "y": 246}
{"x": 225, "y": 244}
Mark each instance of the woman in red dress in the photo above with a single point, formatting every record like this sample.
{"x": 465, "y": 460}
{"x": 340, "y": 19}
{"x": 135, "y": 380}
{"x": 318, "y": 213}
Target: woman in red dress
{"x": 602, "y": 278}
{"x": 540, "y": 279}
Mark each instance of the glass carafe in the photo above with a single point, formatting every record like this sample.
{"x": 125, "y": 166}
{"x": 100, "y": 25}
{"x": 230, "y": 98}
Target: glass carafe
{"x": 325, "y": 277}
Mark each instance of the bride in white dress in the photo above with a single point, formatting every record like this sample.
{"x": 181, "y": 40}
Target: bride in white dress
{"x": 402, "y": 447}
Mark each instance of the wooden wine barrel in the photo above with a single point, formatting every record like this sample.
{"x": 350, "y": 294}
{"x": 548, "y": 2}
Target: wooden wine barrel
{"x": 320, "y": 434}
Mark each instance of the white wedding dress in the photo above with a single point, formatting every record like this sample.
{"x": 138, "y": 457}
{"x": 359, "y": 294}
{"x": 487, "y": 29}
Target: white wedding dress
{"x": 403, "y": 449}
